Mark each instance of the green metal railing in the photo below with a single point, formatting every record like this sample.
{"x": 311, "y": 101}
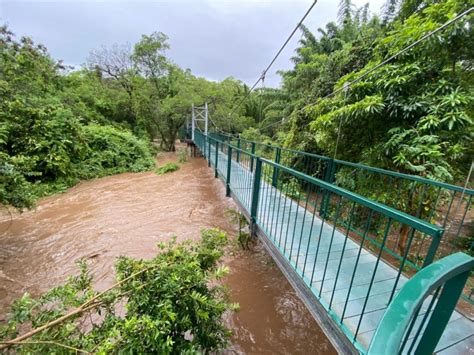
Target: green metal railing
{"x": 445, "y": 205}
{"x": 398, "y": 331}
{"x": 337, "y": 241}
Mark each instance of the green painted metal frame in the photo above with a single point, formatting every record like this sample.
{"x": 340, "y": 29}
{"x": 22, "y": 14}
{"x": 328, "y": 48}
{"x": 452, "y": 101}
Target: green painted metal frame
{"x": 403, "y": 217}
{"x": 451, "y": 272}
{"x": 258, "y": 176}
{"x": 332, "y": 165}
{"x": 365, "y": 167}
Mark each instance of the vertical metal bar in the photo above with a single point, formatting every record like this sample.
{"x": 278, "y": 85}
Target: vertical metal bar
{"x": 410, "y": 327}
{"x": 319, "y": 240}
{"x": 238, "y": 151}
{"x": 387, "y": 228}
{"x": 275, "y": 169}
{"x": 435, "y": 240}
{"x": 330, "y": 244}
{"x": 209, "y": 155}
{"x": 447, "y": 301}
{"x": 272, "y": 222}
{"x": 264, "y": 198}
{"x": 278, "y": 209}
{"x": 405, "y": 257}
{"x": 206, "y": 117}
{"x": 193, "y": 122}
{"x": 433, "y": 210}
{"x": 366, "y": 231}
{"x": 420, "y": 204}
{"x": 285, "y": 198}
{"x": 268, "y": 207}
{"x": 251, "y": 157}
{"x": 308, "y": 193}
{"x": 289, "y": 218}
{"x": 216, "y": 173}
{"x": 463, "y": 216}
{"x": 328, "y": 177}
{"x": 255, "y": 194}
{"x": 449, "y": 209}
{"x": 309, "y": 236}
{"x": 296, "y": 221}
{"x": 229, "y": 166}
{"x": 423, "y": 321}
{"x": 342, "y": 254}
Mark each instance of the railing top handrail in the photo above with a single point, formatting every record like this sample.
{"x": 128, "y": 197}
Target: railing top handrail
{"x": 396, "y": 319}
{"x": 407, "y": 176}
{"x": 235, "y": 148}
{"x": 370, "y": 168}
{"x": 393, "y": 213}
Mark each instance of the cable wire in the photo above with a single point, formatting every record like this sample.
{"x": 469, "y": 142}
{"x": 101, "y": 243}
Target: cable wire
{"x": 386, "y": 61}
{"x": 262, "y": 77}
{"x": 407, "y": 48}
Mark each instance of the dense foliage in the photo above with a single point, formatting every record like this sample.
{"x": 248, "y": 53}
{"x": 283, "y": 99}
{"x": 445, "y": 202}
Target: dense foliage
{"x": 170, "y": 304}
{"x": 52, "y": 131}
{"x": 58, "y": 126}
{"x": 413, "y": 115}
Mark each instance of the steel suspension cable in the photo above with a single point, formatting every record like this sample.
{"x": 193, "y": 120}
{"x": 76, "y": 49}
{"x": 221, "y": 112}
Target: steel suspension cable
{"x": 396, "y": 55}
{"x": 407, "y": 48}
{"x": 262, "y": 77}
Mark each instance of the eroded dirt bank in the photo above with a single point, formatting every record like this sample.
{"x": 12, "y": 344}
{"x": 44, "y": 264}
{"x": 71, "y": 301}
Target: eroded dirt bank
{"x": 128, "y": 214}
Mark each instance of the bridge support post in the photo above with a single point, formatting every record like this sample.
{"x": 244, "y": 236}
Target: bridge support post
{"x": 238, "y": 152}
{"x": 255, "y": 195}
{"x": 229, "y": 168}
{"x": 251, "y": 157}
{"x": 216, "y": 174}
{"x": 275, "y": 169}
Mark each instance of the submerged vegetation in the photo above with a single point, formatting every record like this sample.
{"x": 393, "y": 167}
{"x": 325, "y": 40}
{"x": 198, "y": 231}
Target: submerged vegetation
{"x": 170, "y": 304}
{"x": 167, "y": 168}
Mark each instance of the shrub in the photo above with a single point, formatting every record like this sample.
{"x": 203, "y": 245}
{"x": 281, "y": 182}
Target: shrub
{"x": 111, "y": 150}
{"x": 173, "y": 305}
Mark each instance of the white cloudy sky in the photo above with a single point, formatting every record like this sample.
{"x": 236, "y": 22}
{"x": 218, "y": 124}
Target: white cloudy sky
{"x": 214, "y": 38}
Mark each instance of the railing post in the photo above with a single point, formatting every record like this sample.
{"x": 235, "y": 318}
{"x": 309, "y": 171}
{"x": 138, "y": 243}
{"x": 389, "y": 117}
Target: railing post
{"x": 238, "y": 152}
{"x": 209, "y": 153}
{"x": 452, "y": 290}
{"x": 275, "y": 169}
{"x": 229, "y": 166}
{"x": 216, "y": 174}
{"x": 252, "y": 150}
{"x": 435, "y": 240}
{"x": 328, "y": 177}
{"x": 255, "y": 194}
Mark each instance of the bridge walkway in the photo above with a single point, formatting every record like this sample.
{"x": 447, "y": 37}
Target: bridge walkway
{"x": 350, "y": 281}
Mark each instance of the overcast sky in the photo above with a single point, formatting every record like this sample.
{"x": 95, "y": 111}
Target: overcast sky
{"x": 214, "y": 38}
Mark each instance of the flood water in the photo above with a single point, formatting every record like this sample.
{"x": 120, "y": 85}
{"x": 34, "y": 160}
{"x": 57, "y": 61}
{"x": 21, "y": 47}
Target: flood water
{"x": 128, "y": 214}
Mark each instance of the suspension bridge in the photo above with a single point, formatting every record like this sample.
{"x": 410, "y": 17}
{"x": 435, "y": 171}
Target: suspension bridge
{"x": 374, "y": 254}
{"x": 357, "y": 263}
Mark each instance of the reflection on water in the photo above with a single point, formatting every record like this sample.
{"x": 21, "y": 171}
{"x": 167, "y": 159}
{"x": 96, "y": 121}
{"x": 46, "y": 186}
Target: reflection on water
{"x": 128, "y": 214}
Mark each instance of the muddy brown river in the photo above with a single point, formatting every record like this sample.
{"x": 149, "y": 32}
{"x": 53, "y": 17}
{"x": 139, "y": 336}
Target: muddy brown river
{"x": 128, "y": 214}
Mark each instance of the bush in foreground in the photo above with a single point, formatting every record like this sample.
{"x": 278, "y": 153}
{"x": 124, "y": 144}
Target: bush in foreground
{"x": 172, "y": 302}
